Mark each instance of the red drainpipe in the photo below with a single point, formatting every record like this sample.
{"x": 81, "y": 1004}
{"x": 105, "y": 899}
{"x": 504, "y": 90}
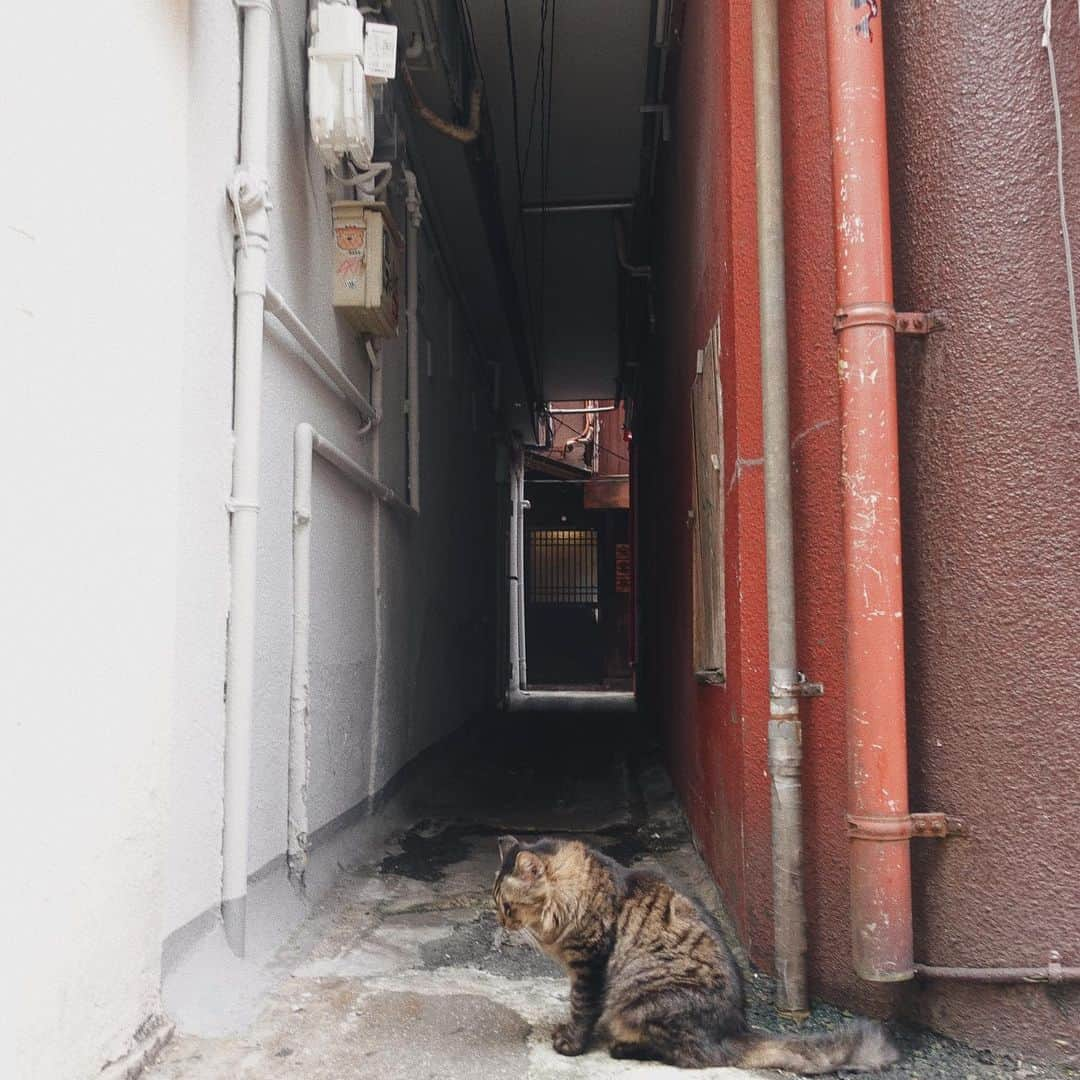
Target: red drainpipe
{"x": 880, "y": 824}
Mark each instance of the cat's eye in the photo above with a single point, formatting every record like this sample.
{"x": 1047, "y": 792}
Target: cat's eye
{"x": 506, "y": 908}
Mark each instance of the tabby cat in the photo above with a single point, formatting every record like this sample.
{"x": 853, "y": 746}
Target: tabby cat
{"x": 649, "y": 970}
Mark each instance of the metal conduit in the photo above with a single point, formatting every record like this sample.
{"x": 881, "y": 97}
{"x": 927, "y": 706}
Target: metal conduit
{"x": 785, "y": 725}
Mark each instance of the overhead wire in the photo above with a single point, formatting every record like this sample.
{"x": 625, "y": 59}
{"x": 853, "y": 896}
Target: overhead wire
{"x": 545, "y": 170}
{"x": 533, "y": 99}
{"x": 519, "y": 176}
{"x": 581, "y": 435}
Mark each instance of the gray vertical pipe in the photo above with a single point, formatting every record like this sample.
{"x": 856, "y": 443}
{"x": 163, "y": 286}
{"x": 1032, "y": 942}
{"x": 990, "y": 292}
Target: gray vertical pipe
{"x": 785, "y": 728}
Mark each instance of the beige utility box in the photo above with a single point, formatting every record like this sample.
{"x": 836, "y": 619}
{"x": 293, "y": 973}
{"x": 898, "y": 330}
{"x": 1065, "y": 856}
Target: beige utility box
{"x": 367, "y": 265}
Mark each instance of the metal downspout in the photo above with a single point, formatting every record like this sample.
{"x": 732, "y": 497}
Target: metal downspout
{"x": 514, "y": 623}
{"x": 248, "y": 193}
{"x": 785, "y": 727}
{"x": 523, "y": 505}
{"x": 874, "y": 659}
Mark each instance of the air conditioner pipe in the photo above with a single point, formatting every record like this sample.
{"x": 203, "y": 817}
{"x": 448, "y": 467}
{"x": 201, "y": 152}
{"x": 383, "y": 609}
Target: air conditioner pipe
{"x": 248, "y": 193}
{"x": 785, "y": 725}
{"x": 882, "y": 937}
{"x": 432, "y": 119}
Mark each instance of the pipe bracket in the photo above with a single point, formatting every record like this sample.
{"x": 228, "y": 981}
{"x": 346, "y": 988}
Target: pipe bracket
{"x": 880, "y": 313}
{"x": 232, "y": 505}
{"x": 800, "y": 688}
{"x": 892, "y": 827}
{"x": 919, "y": 323}
{"x": 710, "y": 677}
{"x": 1055, "y": 973}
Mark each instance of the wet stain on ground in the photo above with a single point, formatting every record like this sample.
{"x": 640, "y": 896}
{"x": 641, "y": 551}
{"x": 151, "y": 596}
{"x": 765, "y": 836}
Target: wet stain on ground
{"x": 628, "y": 843}
{"x": 428, "y": 849}
{"x": 483, "y": 945}
{"x": 409, "y": 1036}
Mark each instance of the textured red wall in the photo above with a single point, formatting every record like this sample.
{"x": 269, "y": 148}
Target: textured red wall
{"x": 707, "y": 734}
{"x": 990, "y": 421}
{"x": 718, "y": 736}
{"x": 990, "y": 444}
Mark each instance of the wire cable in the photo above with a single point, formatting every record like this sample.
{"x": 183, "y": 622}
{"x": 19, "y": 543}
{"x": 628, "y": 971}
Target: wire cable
{"x": 520, "y": 184}
{"x": 1069, "y": 275}
{"x": 545, "y": 60}
{"x": 581, "y": 435}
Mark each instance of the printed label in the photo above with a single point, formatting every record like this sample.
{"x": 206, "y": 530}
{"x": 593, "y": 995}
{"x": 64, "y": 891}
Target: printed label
{"x": 380, "y": 51}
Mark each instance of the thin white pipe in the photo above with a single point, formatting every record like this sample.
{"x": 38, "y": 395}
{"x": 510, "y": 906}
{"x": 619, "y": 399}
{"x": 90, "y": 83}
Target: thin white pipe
{"x": 300, "y": 683}
{"x": 360, "y": 476}
{"x": 318, "y": 358}
{"x": 376, "y": 587}
{"x": 307, "y": 442}
{"x": 413, "y": 207}
{"x": 522, "y": 665}
{"x": 514, "y": 623}
{"x": 249, "y": 194}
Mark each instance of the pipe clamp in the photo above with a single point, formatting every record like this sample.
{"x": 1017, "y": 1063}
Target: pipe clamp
{"x": 892, "y": 827}
{"x": 797, "y": 689}
{"x": 880, "y": 313}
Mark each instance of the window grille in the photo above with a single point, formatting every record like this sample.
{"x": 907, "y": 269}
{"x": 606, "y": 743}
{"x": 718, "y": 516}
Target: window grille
{"x": 563, "y": 567}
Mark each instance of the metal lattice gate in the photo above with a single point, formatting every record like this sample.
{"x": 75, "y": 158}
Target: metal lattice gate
{"x": 563, "y": 567}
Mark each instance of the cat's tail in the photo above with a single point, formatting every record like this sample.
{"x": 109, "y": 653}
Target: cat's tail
{"x": 862, "y": 1046}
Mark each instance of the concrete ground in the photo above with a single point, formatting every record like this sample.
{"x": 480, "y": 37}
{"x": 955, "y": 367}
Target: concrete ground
{"x": 401, "y": 971}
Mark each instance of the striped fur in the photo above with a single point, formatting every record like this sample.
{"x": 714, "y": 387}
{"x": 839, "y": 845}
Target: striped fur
{"x": 648, "y": 969}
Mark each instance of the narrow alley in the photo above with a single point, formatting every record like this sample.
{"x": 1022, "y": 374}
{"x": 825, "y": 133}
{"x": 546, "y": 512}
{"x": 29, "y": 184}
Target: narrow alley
{"x": 654, "y": 422}
{"x": 402, "y": 972}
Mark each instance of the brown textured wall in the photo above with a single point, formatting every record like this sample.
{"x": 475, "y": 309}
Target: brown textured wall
{"x": 990, "y": 430}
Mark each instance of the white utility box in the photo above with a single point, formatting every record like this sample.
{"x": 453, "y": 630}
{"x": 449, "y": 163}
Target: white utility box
{"x": 367, "y": 266}
{"x": 343, "y": 63}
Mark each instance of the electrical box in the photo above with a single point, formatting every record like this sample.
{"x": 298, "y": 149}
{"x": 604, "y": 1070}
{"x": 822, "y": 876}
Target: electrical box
{"x": 344, "y": 63}
{"x": 367, "y": 266}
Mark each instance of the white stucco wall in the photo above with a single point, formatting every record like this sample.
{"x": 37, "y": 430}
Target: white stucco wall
{"x": 94, "y": 232}
{"x": 118, "y": 329}
{"x": 431, "y": 680}
{"x": 204, "y": 468}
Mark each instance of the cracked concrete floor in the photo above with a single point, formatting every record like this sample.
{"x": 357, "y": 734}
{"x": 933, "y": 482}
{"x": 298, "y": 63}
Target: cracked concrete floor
{"x": 401, "y": 971}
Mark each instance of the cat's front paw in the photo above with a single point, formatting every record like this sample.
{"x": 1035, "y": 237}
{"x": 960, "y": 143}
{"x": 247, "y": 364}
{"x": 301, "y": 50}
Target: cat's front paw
{"x": 569, "y": 1040}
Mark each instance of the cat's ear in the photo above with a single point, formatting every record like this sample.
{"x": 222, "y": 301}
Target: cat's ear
{"x": 506, "y": 845}
{"x": 529, "y": 867}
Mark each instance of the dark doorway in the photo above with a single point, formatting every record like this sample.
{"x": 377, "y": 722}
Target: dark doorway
{"x": 577, "y": 588}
